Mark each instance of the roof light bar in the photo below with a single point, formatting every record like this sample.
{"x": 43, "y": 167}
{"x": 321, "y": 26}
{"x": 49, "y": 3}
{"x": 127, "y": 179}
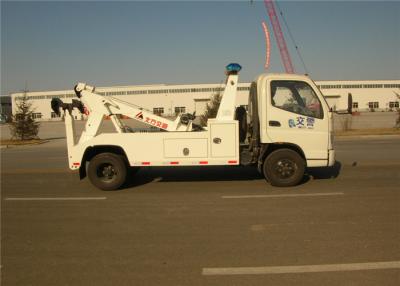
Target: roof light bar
{"x": 233, "y": 68}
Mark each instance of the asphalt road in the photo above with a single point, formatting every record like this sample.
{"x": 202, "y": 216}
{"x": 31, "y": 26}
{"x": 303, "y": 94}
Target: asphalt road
{"x": 213, "y": 226}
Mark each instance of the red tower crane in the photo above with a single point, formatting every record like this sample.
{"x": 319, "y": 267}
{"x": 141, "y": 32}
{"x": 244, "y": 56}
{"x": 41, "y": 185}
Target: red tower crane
{"x": 285, "y": 56}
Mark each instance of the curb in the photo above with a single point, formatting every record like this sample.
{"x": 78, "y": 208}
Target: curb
{"x": 26, "y": 144}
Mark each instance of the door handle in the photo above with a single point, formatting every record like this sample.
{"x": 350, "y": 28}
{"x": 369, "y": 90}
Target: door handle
{"x": 274, "y": 123}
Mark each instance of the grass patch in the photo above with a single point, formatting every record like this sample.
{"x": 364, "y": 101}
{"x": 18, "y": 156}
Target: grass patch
{"x": 10, "y": 142}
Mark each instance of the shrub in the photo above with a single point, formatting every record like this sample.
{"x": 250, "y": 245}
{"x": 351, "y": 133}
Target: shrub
{"x": 211, "y": 109}
{"x": 23, "y": 126}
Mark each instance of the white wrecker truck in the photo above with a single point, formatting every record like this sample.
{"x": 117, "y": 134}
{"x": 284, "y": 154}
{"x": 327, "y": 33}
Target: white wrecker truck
{"x": 287, "y": 127}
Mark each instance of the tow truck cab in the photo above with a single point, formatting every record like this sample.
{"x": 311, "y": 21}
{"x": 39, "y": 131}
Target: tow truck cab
{"x": 287, "y": 112}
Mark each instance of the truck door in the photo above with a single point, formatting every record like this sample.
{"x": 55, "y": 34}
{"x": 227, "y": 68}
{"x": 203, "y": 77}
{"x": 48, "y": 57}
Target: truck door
{"x": 295, "y": 114}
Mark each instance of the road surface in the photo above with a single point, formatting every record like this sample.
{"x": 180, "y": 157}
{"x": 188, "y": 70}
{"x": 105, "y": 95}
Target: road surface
{"x": 214, "y": 226}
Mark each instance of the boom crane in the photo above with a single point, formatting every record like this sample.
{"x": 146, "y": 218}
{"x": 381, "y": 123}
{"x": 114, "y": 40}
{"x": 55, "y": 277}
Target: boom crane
{"x": 285, "y": 56}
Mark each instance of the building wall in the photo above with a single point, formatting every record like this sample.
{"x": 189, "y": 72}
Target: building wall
{"x": 366, "y": 94}
{"x": 167, "y": 99}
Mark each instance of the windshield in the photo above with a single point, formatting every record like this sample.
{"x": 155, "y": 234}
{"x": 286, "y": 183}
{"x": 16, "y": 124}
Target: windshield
{"x": 297, "y": 97}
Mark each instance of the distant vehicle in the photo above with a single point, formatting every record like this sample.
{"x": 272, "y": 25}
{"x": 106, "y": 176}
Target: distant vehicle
{"x": 288, "y": 127}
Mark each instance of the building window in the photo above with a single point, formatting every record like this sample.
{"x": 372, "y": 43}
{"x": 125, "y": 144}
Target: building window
{"x": 129, "y": 92}
{"x": 355, "y": 104}
{"x": 54, "y": 115}
{"x": 36, "y": 115}
{"x": 55, "y": 96}
{"x": 180, "y": 109}
{"x": 218, "y": 89}
{"x": 352, "y": 86}
{"x": 114, "y": 93}
{"x": 392, "y": 85}
{"x": 372, "y": 86}
{"x": 394, "y": 104}
{"x": 158, "y": 91}
{"x": 333, "y": 86}
{"x": 37, "y": 97}
{"x": 158, "y": 110}
{"x": 184, "y": 90}
{"x": 373, "y": 105}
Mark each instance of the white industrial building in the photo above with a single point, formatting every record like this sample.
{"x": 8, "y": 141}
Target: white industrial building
{"x": 165, "y": 99}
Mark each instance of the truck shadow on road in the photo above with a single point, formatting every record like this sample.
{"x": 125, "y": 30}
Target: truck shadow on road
{"x": 217, "y": 173}
{"x": 193, "y": 174}
{"x": 321, "y": 173}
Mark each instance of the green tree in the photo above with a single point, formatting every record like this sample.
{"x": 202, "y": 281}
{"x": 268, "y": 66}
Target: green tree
{"x": 23, "y": 126}
{"x": 211, "y": 109}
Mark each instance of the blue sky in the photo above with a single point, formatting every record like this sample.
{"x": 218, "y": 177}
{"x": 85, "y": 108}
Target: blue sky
{"x": 53, "y": 45}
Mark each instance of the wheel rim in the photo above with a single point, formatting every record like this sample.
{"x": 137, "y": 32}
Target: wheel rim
{"x": 106, "y": 172}
{"x": 285, "y": 168}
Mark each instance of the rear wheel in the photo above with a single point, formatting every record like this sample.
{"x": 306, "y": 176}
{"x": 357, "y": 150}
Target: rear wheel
{"x": 107, "y": 171}
{"x": 284, "y": 168}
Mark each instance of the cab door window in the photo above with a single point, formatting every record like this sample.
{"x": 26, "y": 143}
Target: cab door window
{"x": 297, "y": 97}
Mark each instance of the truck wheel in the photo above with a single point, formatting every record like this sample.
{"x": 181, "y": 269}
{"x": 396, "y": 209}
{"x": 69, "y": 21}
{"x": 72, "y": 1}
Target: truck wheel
{"x": 284, "y": 168}
{"x": 107, "y": 171}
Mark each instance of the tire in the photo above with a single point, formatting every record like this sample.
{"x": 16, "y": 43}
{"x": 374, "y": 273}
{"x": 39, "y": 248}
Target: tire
{"x": 284, "y": 168}
{"x": 107, "y": 171}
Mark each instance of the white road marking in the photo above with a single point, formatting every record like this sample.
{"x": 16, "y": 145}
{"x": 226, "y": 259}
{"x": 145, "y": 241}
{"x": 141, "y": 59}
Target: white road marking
{"x": 301, "y": 269}
{"x": 57, "y": 199}
{"x": 283, "y": 195}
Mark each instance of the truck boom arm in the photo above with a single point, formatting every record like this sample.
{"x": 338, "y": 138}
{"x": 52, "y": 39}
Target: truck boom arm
{"x": 100, "y": 106}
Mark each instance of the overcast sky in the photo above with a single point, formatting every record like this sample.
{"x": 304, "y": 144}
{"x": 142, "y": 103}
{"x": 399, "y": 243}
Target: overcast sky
{"x": 53, "y": 45}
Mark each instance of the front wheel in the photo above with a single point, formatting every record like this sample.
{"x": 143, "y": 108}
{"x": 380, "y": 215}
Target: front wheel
{"x": 284, "y": 168}
{"x": 107, "y": 171}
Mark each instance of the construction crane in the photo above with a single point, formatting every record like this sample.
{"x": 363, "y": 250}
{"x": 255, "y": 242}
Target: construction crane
{"x": 285, "y": 56}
